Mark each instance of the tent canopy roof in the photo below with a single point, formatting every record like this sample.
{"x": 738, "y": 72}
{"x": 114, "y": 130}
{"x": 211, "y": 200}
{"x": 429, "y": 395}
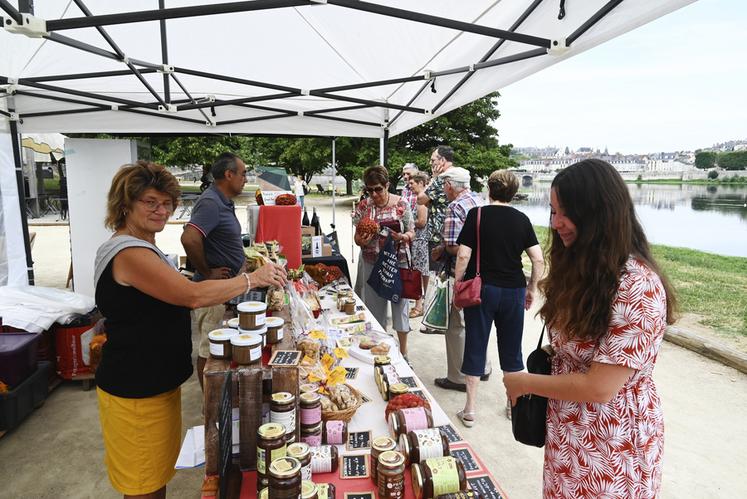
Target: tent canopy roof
{"x": 324, "y": 67}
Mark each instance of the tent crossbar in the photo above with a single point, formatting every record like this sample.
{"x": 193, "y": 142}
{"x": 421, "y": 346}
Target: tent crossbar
{"x": 5, "y": 113}
{"x": 366, "y": 101}
{"x": 171, "y": 13}
{"x": 233, "y": 102}
{"x": 63, "y": 112}
{"x": 241, "y": 81}
{"x": 95, "y": 105}
{"x": 11, "y": 11}
{"x": 369, "y": 84}
{"x": 523, "y": 17}
{"x": 256, "y": 118}
{"x": 191, "y": 99}
{"x": 86, "y": 47}
{"x": 345, "y": 120}
{"x": 83, "y": 76}
{"x": 120, "y": 53}
{"x": 412, "y": 99}
{"x": 336, "y": 109}
{"x": 598, "y": 16}
{"x": 441, "y": 21}
{"x": 159, "y": 115}
{"x": 81, "y": 93}
{"x": 268, "y": 108}
{"x": 521, "y": 56}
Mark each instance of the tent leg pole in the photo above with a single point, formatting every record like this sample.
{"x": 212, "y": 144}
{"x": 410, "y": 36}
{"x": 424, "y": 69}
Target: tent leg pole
{"x": 384, "y": 148}
{"x": 334, "y": 187}
{"x": 16, "y": 140}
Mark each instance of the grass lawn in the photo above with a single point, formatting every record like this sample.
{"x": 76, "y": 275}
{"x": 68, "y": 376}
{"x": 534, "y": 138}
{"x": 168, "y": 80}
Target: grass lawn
{"x": 712, "y": 286}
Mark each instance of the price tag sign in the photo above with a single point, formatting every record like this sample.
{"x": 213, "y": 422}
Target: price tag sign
{"x": 354, "y": 467}
{"x": 358, "y": 440}
{"x": 451, "y": 434}
{"x": 421, "y": 394}
{"x": 467, "y": 458}
{"x": 352, "y": 372}
{"x": 316, "y": 246}
{"x": 409, "y": 381}
{"x": 485, "y": 486}
{"x": 285, "y": 358}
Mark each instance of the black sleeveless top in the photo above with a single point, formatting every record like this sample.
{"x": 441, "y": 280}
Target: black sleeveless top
{"x": 149, "y": 342}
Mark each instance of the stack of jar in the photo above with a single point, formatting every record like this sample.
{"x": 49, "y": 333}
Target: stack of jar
{"x": 253, "y": 318}
{"x": 230, "y": 344}
{"x": 309, "y": 490}
{"x": 270, "y": 446}
{"x": 387, "y": 379}
{"x": 311, "y": 417}
{"x": 283, "y": 411}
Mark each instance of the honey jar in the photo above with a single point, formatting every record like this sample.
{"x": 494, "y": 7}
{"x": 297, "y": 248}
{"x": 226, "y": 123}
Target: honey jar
{"x": 220, "y": 342}
{"x": 312, "y": 435}
{"x": 311, "y": 408}
{"x": 274, "y": 329}
{"x": 252, "y": 314}
{"x": 246, "y": 348}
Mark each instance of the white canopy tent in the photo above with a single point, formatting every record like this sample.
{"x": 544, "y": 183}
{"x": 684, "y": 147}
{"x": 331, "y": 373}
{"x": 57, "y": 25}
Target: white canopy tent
{"x": 289, "y": 67}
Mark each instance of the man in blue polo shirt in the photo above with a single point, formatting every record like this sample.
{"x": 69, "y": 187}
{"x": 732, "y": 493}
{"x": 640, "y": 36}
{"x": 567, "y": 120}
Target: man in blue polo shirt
{"x": 212, "y": 240}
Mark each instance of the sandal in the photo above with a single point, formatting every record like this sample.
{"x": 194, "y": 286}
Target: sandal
{"x": 467, "y": 418}
{"x": 416, "y": 312}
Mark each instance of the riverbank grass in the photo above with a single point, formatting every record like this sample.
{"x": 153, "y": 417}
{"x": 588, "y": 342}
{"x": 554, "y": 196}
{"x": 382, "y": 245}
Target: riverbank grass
{"x": 714, "y": 287}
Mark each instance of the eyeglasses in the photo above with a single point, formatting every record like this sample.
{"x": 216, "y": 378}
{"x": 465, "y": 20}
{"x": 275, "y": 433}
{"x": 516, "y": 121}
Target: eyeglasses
{"x": 153, "y": 205}
{"x": 378, "y": 189}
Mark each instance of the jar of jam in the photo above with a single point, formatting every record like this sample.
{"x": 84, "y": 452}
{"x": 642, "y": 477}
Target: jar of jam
{"x": 335, "y": 432}
{"x": 264, "y": 494}
{"x": 220, "y": 342}
{"x": 283, "y": 411}
{"x": 246, "y": 348}
{"x": 413, "y": 418}
{"x": 274, "y": 329}
{"x": 302, "y": 452}
{"x": 438, "y": 476}
{"x": 309, "y": 490}
{"x": 397, "y": 389}
{"x": 311, "y": 408}
{"x": 252, "y": 314}
{"x": 325, "y": 490}
{"x": 270, "y": 446}
{"x": 312, "y": 435}
{"x": 309, "y": 387}
{"x": 379, "y": 445}
{"x": 391, "y": 475}
{"x": 285, "y": 478}
{"x": 324, "y": 459}
{"x": 419, "y": 445}
{"x": 349, "y": 307}
{"x": 462, "y": 494}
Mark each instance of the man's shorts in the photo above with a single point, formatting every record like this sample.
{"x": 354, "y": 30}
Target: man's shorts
{"x": 204, "y": 320}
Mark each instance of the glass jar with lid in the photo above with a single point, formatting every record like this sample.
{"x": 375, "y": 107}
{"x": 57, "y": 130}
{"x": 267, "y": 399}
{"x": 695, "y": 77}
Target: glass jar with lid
{"x": 391, "y": 475}
{"x": 324, "y": 459}
{"x": 412, "y": 418}
{"x": 246, "y": 348}
{"x": 334, "y": 432}
{"x": 326, "y": 490}
{"x": 419, "y": 445}
{"x": 309, "y": 490}
{"x": 302, "y": 452}
{"x": 283, "y": 411}
{"x": 312, "y": 435}
{"x": 379, "y": 445}
{"x": 438, "y": 476}
{"x": 220, "y": 343}
{"x": 285, "y": 478}
{"x": 311, "y": 409}
{"x": 274, "y": 329}
{"x": 252, "y": 314}
{"x": 270, "y": 446}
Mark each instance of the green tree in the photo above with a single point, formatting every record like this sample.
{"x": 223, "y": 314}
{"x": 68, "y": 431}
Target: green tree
{"x": 735, "y": 160}
{"x": 705, "y": 159}
{"x": 712, "y": 175}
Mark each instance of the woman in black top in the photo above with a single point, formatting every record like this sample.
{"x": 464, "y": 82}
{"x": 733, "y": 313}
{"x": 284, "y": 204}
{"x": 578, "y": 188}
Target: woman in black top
{"x": 505, "y": 233}
{"x": 147, "y": 355}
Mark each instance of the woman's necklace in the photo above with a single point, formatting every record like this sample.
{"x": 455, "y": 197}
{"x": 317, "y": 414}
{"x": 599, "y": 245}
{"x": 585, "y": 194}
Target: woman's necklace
{"x": 386, "y": 203}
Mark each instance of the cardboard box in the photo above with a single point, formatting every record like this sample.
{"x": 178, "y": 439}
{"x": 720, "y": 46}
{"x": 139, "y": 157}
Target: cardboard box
{"x": 326, "y": 249}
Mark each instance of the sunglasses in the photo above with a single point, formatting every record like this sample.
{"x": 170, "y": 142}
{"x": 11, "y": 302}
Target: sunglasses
{"x": 378, "y": 189}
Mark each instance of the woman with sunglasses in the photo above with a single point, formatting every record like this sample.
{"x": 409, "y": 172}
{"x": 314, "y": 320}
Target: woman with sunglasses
{"x": 148, "y": 353}
{"x": 390, "y": 209}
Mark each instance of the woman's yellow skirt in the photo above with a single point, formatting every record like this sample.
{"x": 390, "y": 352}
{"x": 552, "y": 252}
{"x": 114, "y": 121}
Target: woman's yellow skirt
{"x": 142, "y": 439}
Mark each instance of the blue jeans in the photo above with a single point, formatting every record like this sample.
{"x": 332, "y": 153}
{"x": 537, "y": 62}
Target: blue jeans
{"x": 505, "y": 308}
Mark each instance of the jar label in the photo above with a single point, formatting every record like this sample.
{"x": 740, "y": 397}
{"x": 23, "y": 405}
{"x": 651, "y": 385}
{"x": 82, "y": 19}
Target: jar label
{"x": 217, "y": 349}
{"x": 334, "y": 432}
{"x": 260, "y": 319}
{"x": 429, "y": 443}
{"x": 311, "y": 416}
{"x": 280, "y": 333}
{"x": 287, "y": 419}
{"x": 255, "y": 354}
{"x": 322, "y": 490}
{"x": 312, "y": 440}
{"x": 392, "y": 486}
{"x": 445, "y": 475}
{"x": 415, "y": 418}
{"x": 262, "y": 455}
{"x": 306, "y": 472}
{"x": 321, "y": 459}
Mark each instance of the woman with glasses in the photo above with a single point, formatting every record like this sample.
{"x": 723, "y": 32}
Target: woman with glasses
{"x": 148, "y": 353}
{"x": 386, "y": 209}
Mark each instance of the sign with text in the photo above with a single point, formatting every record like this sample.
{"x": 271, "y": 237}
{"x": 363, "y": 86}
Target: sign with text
{"x": 409, "y": 381}
{"x": 451, "y": 434}
{"x": 285, "y": 358}
{"x": 316, "y": 246}
{"x": 358, "y": 440}
{"x": 351, "y": 372}
{"x": 354, "y": 467}
{"x": 484, "y": 486}
{"x": 467, "y": 458}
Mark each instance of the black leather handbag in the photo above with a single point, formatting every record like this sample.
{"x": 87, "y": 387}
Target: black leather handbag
{"x": 529, "y": 415}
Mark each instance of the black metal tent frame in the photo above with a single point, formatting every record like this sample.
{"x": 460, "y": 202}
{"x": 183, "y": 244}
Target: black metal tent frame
{"x": 92, "y": 102}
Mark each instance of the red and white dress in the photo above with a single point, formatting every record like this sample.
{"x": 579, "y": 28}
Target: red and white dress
{"x": 612, "y": 450}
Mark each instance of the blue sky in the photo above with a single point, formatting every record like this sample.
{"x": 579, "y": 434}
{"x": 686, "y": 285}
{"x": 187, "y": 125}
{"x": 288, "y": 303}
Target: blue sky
{"x": 677, "y": 83}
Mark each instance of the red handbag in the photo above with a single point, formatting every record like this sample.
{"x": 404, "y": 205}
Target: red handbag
{"x": 412, "y": 280}
{"x": 467, "y": 293}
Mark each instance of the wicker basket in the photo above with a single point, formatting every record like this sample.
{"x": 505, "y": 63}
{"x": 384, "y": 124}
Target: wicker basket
{"x": 345, "y": 414}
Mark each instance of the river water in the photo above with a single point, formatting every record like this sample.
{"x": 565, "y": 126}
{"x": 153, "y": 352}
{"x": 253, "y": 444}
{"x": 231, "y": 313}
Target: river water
{"x": 705, "y": 218}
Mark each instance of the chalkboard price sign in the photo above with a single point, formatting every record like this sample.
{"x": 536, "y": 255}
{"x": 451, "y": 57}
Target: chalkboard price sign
{"x": 485, "y": 486}
{"x": 285, "y": 358}
{"x": 359, "y": 440}
{"x": 359, "y": 495}
{"x": 354, "y": 467}
{"x": 352, "y": 372}
{"x": 409, "y": 381}
{"x": 420, "y": 393}
{"x": 451, "y": 433}
{"x": 467, "y": 458}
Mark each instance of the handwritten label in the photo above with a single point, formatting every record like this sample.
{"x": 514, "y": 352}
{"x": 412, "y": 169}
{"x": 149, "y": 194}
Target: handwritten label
{"x": 409, "y": 381}
{"x": 420, "y": 394}
{"x": 467, "y": 458}
{"x": 359, "y": 440}
{"x": 352, "y": 372}
{"x": 354, "y": 467}
{"x": 285, "y": 358}
{"x": 485, "y": 486}
{"x": 451, "y": 434}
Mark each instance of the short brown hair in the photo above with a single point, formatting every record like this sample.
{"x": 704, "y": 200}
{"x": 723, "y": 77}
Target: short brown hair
{"x": 128, "y": 185}
{"x": 420, "y": 177}
{"x": 502, "y": 186}
{"x": 374, "y": 175}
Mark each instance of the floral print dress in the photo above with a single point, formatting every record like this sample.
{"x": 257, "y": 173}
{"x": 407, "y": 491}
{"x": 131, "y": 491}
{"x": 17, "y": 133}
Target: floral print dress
{"x": 399, "y": 211}
{"x": 612, "y": 450}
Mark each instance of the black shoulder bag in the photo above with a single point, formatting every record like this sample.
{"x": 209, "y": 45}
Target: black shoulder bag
{"x": 529, "y": 415}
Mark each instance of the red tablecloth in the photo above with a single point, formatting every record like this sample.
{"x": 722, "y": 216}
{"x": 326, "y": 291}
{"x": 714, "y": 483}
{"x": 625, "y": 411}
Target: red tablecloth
{"x": 282, "y": 224}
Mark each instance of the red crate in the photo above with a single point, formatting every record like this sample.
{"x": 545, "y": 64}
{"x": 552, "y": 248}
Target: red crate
{"x": 73, "y": 354}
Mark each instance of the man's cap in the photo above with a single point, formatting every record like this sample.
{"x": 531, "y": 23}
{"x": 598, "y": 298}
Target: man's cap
{"x": 457, "y": 174}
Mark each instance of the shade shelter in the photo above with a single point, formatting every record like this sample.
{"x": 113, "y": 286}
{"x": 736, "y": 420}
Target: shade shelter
{"x": 315, "y": 67}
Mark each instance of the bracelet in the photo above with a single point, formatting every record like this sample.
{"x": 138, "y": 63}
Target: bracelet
{"x": 248, "y": 282}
